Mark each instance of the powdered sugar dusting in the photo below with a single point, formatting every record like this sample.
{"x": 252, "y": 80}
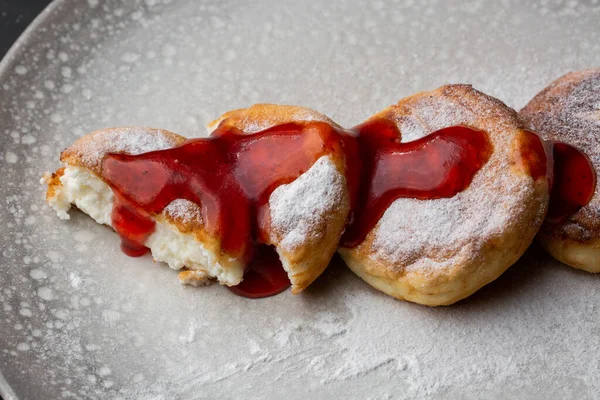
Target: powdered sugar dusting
{"x": 432, "y": 234}
{"x": 431, "y": 116}
{"x": 298, "y": 207}
{"x": 568, "y": 111}
{"x": 130, "y": 140}
{"x": 574, "y": 116}
{"x": 307, "y": 115}
{"x": 456, "y": 226}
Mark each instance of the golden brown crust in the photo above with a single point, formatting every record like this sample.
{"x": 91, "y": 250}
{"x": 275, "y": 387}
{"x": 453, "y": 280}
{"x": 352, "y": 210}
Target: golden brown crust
{"x": 442, "y": 273}
{"x": 581, "y": 255}
{"x": 194, "y": 278}
{"x": 53, "y": 182}
{"x": 569, "y": 110}
{"x": 262, "y": 116}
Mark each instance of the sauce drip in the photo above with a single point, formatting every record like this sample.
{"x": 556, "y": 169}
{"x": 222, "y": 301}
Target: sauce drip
{"x": 264, "y": 276}
{"x": 573, "y": 184}
{"x": 231, "y": 176}
{"x": 132, "y": 224}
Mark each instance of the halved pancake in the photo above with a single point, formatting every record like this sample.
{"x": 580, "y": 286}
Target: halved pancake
{"x": 307, "y": 216}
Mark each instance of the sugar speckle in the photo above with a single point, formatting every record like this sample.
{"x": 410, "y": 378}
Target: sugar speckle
{"x": 111, "y": 316}
{"x": 20, "y": 70}
{"x": 28, "y": 139}
{"x": 130, "y": 57}
{"x": 229, "y": 55}
{"x": 92, "y": 347}
{"x": 136, "y": 15}
{"x": 75, "y": 280}
{"x": 67, "y": 88}
{"x": 11, "y": 157}
{"x": 216, "y": 22}
{"x": 66, "y": 72}
{"x": 38, "y": 274}
{"x": 169, "y": 50}
{"x": 45, "y": 293}
{"x": 23, "y": 346}
{"x": 26, "y": 312}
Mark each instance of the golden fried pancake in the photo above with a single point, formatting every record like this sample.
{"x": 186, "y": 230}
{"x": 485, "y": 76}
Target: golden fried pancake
{"x": 436, "y": 252}
{"x": 568, "y": 110}
{"x": 263, "y": 116}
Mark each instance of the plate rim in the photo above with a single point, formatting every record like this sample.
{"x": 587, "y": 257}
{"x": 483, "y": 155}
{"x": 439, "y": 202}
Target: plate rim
{"x": 20, "y": 44}
{"x": 6, "y": 63}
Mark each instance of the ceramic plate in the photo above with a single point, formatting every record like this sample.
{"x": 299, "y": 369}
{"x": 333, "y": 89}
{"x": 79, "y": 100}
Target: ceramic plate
{"x": 79, "y": 319}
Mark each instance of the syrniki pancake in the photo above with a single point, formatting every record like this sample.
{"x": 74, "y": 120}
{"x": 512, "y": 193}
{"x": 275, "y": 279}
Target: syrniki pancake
{"x": 568, "y": 110}
{"x": 307, "y": 215}
{"x": 436, "y": 252}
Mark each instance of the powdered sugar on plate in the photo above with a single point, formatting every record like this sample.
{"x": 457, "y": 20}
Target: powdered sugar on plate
{"x": 115, "y": 325}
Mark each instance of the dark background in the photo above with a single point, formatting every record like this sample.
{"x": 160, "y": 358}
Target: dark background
{"x": 15, "y": 15}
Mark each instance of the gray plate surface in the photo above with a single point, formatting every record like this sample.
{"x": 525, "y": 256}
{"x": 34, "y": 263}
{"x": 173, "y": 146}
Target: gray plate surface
{"x": 78, "y": 319}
